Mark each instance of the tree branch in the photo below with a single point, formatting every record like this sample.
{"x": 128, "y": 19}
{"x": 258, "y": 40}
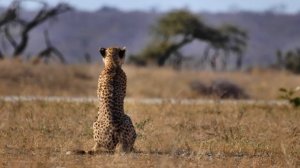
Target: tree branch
{"x": 9, "y": 15}
{"x": 46, "y": 53}
{"x": 41, "y": 17}
{"x": 9, "y": 37}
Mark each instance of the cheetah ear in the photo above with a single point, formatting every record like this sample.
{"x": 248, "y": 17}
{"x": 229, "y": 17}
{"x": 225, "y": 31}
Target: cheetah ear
{"x": 122, "y": 52}
{"x": 102, "y": 52}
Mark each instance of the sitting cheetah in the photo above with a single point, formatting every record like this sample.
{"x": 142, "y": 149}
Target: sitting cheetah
{"x": 112, "y": 126}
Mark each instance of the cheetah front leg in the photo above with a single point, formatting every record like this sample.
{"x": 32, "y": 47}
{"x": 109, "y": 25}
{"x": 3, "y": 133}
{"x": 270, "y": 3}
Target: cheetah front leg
{"x": 96, "y": 147}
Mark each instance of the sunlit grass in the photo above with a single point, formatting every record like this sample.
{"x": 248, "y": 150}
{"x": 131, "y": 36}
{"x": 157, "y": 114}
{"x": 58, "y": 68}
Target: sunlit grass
{"x": 38, "y": 134}
{"x": 81, "y": 80}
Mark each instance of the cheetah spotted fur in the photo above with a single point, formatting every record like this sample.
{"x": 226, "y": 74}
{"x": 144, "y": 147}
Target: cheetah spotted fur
{"x": 113, "y": 126}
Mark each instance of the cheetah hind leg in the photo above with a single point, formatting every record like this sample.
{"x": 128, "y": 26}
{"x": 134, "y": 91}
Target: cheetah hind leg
{"x": 127, "y": 135}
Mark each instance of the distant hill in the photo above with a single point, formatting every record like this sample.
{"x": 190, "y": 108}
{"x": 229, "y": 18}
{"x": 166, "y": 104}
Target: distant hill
{"x": 77, "y": 33}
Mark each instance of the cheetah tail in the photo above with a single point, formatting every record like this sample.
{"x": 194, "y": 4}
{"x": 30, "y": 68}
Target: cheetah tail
{"x": 80, "y": 152}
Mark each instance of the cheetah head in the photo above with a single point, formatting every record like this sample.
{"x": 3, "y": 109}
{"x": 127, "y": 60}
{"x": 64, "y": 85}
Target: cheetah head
{"x": 113, "y": 56}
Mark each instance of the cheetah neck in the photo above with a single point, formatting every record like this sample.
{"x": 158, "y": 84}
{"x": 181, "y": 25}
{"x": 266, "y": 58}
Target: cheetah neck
{"x": 111, "y": 65}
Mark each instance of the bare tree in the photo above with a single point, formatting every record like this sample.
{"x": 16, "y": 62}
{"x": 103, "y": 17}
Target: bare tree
{"x": 48, "y": 51}
{"x": 13, "y": 18}
{"x": 8, "y": 16}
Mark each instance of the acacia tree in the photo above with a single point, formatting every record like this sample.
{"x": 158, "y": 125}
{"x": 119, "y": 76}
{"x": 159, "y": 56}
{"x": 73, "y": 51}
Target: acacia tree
{"x": 170, "y": 34}
{"x": 179, "y": 28}
{"x": 234, "y": 43}
{"x": 11, "y": 19}
{"x": 227, "y": 40}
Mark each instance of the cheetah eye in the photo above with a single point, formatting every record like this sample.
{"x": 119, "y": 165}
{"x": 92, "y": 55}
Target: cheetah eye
{"x": 102, "y": 52}
{"x": 122, "y": 53}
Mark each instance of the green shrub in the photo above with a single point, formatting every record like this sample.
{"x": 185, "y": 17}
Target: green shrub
{"x": 290, "y": 95}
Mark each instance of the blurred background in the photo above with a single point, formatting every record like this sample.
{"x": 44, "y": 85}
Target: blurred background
{"x": 179, "y": 49}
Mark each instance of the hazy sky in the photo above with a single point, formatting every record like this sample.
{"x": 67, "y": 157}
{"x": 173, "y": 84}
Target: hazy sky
{"x": 290, "y": 6}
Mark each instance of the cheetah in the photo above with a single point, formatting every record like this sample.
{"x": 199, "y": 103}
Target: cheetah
{"x": 112, "y": 125}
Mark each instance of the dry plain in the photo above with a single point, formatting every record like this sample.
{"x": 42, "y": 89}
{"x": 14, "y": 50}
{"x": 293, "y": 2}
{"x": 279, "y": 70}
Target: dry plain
{"x": 38, "y": 133}
{"x": 81, "y": 80}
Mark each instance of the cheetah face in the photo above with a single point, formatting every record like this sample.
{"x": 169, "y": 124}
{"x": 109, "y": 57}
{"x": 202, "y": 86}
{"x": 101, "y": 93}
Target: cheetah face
{"x": 113, "y": 56}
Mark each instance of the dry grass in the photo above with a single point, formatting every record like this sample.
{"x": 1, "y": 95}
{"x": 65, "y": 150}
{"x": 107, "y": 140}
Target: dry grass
{"x": 81, "y": 80}
{"x": 37, "y": 134}
{"x": 45, "y": 80}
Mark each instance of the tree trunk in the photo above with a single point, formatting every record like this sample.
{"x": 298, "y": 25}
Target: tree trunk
{"x": 172, "y": 48}
{"x": 1, "y": 56}
{"x": 21, "y": 47}
{"x": 225, "y": 60}
{"x": 239, "y": 61}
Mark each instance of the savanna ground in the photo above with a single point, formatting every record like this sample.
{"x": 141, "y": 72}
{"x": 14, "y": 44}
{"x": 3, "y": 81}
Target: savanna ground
{"x": 81, "y": 80}
{"x": 39, "y": 133}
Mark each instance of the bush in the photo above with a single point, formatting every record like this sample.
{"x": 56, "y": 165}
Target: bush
{"x": 138, "y": 61}
{"x": 199, "y": 88}
{"x": 226, "y": 89}
{"x": 219, "y": 88}
{"x": 289, "y": 60}
{"x": 290, "y": 95}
